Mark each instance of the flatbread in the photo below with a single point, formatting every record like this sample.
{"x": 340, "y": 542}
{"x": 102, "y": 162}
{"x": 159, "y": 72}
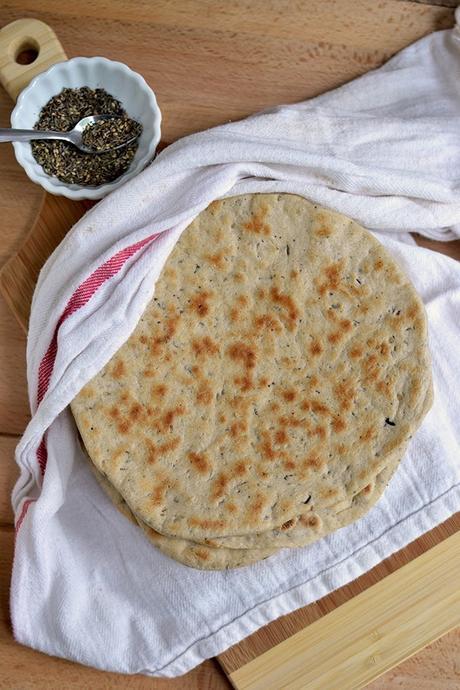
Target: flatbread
{"x": 282, "y": 359}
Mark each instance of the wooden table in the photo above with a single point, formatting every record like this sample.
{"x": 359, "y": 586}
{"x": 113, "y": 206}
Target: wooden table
{"x": 208, "y": 62}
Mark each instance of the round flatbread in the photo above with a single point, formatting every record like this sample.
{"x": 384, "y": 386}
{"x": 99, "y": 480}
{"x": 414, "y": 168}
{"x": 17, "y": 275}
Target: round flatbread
{"x": 282, "y": 359}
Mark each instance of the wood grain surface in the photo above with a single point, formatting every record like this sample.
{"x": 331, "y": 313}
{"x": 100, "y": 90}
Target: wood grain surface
{"x": 404, "y": 610}
{"x": 208, "y": 62}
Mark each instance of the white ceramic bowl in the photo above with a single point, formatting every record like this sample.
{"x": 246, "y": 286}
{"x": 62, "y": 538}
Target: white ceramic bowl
{"x": 136, "y": 97}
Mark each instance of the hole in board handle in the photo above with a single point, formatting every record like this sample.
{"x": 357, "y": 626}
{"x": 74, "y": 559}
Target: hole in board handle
{"x": 27, "y": 52}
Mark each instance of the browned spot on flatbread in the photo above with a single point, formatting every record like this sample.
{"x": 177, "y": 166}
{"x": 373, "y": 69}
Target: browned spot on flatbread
{"x": 159, "y": 492}
{"x": 378, "y": 265}
{"x": 368, "y": 434}
{"x": 216, "y": 260}
{"x": 267, "y": 322}
{"x": 240, "y": 468}
{"x": 312, "y": 521}
{"x": 114, "y": 412}
{"x": 319, "y": 431}
{"x": 135, "y": 412}
{"x": 215, "y": 206}
{"x": 238, "y": 278}
{"x": 413, "y": 311}
{"x": 207, "y": 524}
{"x": 245, "y": 354}
{"x": 231, "y": 508}
{"x": 290, "y": 421}
{"x": 315, "y": 348}
{"x": 239, "y": 403}
{"x": 342, "y": 327}
{"x": 255, "y": 508}
{"x": 334, "y": 337}
{"x": 200, "y": 462}
{"x": 370, "y": 368}
{"x": 156, "y": 451}
{"x": 257, "y": 223}
{"x": 123, "y": 425}
{"x": 159, "y": 390}
{"x": 170, "y": 328}
{"x": 202, "y": 554}
{"x": 205, "y": 347}
{"x": 200, "y": 303}
{"x": 319, "y": 408}
{"x": 332, "y": 275}
{"x": 313, "y": 461}
{"x": 239, "y": 427}
{"x": 266, "y": 449}
{"x": 152, "y": 452}
{"x": 356, "y": 352}
{"x": 167, "y": 419}
{"x": 289, "y": 464}
{"x": 244, "y": 382}
{"x": 236, "y": 312}
{"x": 323, "y": 231}
{"x": 119, "y": 370}
{"x": 281, "y": 436}
{"x": 220, "y": 485}
{"x": 287, "y": 525}
{"x": 289, "y": 395}
{"x": 345, "y": 393}
{"x": 287, "y": 303}
{"x": 338, "y": 425}
{"x": 384, "y": 349}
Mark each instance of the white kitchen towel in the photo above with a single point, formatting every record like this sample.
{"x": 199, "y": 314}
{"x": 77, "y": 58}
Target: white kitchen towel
{"x": 86, "y": 585}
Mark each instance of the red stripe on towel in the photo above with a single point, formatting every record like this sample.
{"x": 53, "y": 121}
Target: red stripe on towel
{"x": 24, "y": 510}
{"x": 80, "y": 297}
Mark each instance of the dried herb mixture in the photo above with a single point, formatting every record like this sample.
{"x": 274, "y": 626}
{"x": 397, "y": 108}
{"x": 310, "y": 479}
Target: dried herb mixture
{"x": 108, "y": 133}
{"x": 63, "y": 160}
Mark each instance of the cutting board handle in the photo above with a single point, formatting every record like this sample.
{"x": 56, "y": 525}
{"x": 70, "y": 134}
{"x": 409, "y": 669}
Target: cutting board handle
{"x": 25, "y": 35}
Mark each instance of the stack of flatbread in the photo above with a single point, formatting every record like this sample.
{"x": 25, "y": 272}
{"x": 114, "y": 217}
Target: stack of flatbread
{"x": 269, "y": 390}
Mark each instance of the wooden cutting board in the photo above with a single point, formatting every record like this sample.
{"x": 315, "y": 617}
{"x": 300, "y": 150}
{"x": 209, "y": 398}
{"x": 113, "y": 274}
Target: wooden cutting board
{"x": 350, "y": 636}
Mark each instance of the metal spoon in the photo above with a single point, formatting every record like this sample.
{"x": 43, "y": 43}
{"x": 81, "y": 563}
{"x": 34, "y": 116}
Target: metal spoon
{"x": 74, "y": 136}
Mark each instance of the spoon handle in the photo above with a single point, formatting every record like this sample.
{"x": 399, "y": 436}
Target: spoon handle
{"x": 29, "y": 134}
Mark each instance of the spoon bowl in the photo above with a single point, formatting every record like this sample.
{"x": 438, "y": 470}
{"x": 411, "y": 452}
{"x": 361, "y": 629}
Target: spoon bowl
{"x": 76, "y": 134}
